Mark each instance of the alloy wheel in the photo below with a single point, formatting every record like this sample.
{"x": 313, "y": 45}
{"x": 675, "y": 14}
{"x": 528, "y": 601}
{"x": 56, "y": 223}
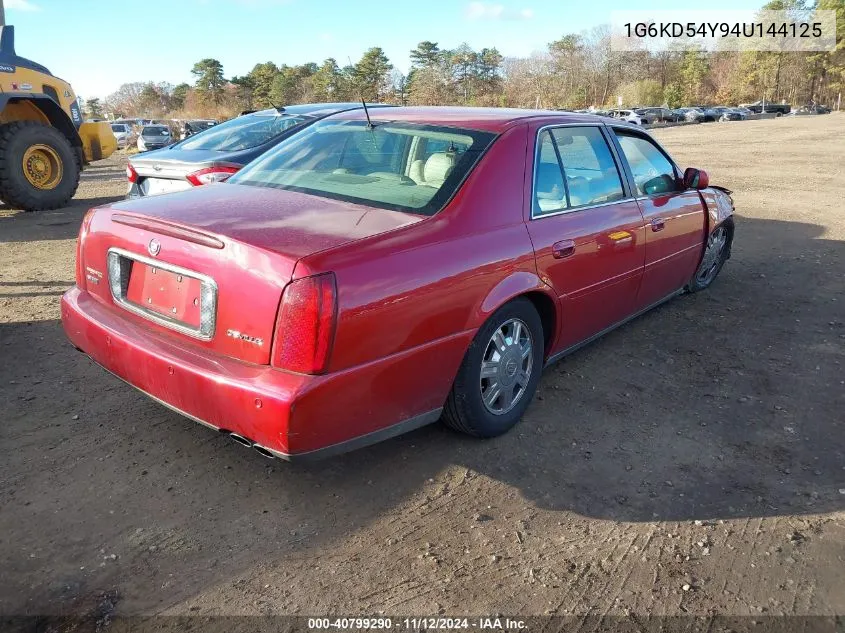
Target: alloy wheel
{"x": 506, "y": 366}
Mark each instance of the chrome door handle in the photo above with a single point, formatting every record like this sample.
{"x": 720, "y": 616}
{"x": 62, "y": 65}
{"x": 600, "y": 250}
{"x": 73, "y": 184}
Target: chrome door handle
{"x": 564, "y": 248}
{"x": 658, "y": 224}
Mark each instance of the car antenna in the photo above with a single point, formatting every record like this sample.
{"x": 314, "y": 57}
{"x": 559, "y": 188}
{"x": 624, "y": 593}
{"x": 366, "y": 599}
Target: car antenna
{"x": 370, "y": 125}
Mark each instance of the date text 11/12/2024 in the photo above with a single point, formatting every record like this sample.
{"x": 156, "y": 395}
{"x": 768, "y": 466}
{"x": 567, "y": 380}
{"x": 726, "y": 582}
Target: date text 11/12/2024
{"x": 418, "y": 623}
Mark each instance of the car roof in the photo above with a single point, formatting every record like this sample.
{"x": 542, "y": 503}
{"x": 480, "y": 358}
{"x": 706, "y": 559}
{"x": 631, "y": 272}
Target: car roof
{"x": 487, "y": 119}
{"x": 319, "y": 109}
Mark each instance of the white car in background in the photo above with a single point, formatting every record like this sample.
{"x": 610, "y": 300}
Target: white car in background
{"x": 627, "y": 115}
{"x": 122, "y": 132}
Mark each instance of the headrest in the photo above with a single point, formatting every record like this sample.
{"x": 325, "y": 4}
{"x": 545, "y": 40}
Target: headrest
{"x": 438, "y": 166}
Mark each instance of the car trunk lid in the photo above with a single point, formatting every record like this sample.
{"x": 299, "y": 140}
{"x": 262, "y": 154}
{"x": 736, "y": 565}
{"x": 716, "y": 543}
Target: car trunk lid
{"x": 173, "y": 163}
{"x": 209, "y": 266}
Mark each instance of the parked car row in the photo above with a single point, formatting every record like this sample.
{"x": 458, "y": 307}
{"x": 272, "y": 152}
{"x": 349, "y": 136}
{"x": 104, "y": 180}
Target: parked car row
{"x": 357, "y": 272}
{"x": 148, "y": 134}
{"x": 694, "y": 114}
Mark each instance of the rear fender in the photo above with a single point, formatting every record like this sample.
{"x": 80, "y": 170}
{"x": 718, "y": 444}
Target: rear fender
{"x": 517, "y": 284}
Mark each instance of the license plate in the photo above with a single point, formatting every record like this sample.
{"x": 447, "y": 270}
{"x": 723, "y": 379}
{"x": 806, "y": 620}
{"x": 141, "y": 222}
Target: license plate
{"x": 174, "y": 296}
{"x": 158, "y": 186}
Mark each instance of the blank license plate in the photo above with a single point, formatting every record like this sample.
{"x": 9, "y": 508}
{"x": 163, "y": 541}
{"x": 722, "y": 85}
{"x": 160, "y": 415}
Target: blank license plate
{"x": 174, "y": 296}
{"x": 156, "y": 186}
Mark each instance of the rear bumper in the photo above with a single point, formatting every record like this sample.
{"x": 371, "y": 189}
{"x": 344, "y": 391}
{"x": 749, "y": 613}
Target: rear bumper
{"x": 290, "y": 415}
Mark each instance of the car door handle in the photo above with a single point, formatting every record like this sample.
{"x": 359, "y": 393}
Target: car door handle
{"x": 564, "y": 248}
{"x": 658, "y": 224}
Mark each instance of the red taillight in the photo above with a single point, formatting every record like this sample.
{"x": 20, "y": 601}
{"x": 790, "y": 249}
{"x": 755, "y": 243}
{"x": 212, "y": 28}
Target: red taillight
{"x": 80, "y": 240}
{"x": 131, "y": 174}
{"x": 305, "y": 325}
{"x": 210, "y": 174}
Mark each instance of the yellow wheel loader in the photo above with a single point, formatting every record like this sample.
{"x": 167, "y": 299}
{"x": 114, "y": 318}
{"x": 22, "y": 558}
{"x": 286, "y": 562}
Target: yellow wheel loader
{"x": 43, "y": 141}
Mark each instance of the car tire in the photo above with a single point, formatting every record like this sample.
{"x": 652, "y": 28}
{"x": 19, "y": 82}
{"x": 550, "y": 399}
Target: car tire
{"x": 716, "y": 253}
{"x": 498, "y": 350}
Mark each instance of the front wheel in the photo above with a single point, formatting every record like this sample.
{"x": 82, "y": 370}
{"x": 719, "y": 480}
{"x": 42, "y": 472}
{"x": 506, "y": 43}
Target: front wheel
{"x": 715, "y": 255}
{"x": 499, "y": 374}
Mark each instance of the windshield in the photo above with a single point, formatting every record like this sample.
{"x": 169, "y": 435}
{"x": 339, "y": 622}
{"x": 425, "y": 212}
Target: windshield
{"x": 244, "y": 132}
{"x": 157, "y": 130}
{"x": 118, "y": 128}
{"x": 404, "y": 167}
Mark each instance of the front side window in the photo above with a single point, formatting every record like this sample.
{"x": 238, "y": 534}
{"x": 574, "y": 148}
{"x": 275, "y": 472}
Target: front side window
{"x": 398, "y": 166}
{"x": 575, "y": 168}
{"x": 653, "y": 173}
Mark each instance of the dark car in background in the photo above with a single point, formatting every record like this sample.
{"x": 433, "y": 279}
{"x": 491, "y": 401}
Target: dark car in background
{"x": 810, "y": 109}
{"x": 690, "y": 115}
{"x": 218, "y": 152}
{"x": 196, "y": 126}
{"x": 732, "y": 114}
{"x": 659, "y": 115}
{"x": 766, "y": 107}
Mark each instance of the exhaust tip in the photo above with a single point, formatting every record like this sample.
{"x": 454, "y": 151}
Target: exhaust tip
{"x": 240, "y": 439}
{"x": 263, "y": 451}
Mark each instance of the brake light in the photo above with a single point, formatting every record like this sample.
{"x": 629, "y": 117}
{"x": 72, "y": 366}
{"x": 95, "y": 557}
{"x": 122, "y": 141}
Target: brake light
{"x": 210, "y": 174}
{"x": 306, "y": 324}
{"x": 131, "y": 174}
{"x": 80, "y": 240}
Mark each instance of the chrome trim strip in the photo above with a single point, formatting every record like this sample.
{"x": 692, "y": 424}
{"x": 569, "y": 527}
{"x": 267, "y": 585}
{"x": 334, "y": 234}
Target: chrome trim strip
{"x": 582, "y": 207}
{"x": 574, "y": 348}
{"x": 205, "y": 331}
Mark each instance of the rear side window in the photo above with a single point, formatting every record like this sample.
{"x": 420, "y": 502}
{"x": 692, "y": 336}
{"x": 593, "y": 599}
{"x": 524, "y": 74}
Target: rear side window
{"x": 653, "y": 173}
{"x": 574, "y": 168}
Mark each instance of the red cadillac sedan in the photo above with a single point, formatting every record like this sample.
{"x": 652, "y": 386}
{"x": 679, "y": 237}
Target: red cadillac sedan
{"x": 366, "y": 277}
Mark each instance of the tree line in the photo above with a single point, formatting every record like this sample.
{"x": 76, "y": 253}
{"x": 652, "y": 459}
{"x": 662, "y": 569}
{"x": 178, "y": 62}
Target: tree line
{"x": 577, "y": 71}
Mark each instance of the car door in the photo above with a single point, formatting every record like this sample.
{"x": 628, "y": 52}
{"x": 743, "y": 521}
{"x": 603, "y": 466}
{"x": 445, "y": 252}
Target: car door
{"x": 586, "y": 228}
{"x": 674, "y": 216}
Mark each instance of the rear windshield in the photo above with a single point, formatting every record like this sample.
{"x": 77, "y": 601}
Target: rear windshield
{"x": 244, "y": 132}
{"x": 118, "y": 128}
{"x": 399, "y": 166}
{"x": 156, "y": 130}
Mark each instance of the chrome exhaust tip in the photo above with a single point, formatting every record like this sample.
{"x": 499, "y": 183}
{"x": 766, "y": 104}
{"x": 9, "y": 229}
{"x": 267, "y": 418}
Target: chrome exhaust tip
{"x": 240, "y": 439}
{"x": 263, "y": 451}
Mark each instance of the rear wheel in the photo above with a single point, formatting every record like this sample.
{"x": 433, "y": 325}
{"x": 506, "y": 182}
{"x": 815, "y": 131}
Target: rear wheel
{"x": 499, "y": 374}
{"x": 39, "y": 168}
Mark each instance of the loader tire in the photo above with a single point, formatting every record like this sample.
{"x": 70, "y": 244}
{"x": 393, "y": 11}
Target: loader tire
{"x": 39, "y": 169}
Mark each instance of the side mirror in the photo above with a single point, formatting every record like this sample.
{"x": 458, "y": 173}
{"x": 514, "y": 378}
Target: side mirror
{"x": 696, "y": 178}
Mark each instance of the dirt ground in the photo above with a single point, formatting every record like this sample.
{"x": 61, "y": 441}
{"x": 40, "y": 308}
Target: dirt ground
{"x": 692, "y": 462}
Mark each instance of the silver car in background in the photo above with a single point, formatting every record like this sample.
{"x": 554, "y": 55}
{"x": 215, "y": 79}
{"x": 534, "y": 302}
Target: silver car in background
{"x": 154, "y": 137}
{"x": 122, "y": 132}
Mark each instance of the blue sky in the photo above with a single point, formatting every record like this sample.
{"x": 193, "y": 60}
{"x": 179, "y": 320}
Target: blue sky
{"x": 99, "y": 45}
